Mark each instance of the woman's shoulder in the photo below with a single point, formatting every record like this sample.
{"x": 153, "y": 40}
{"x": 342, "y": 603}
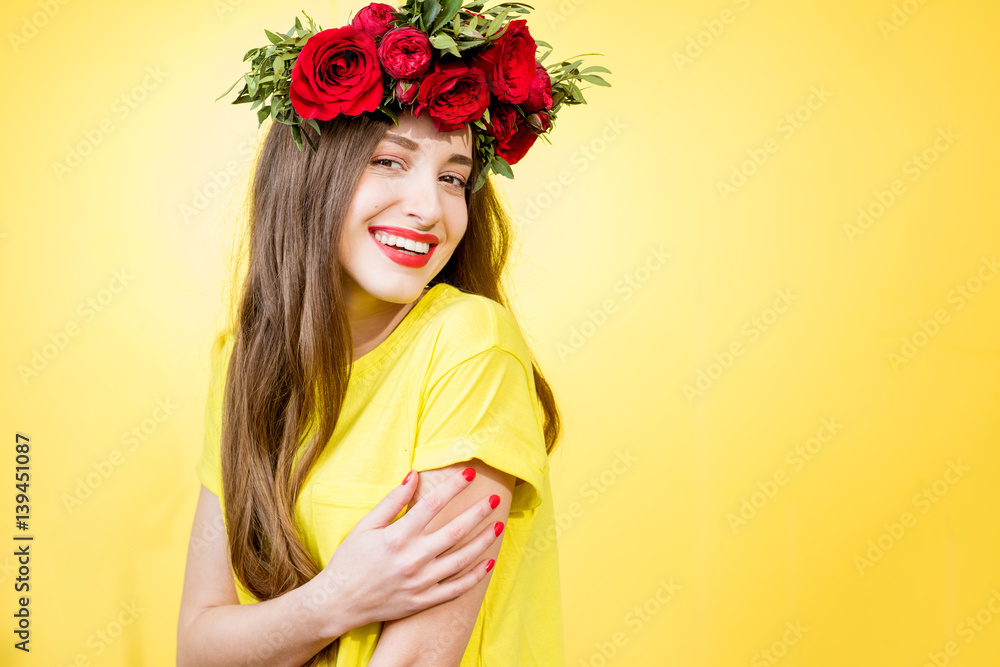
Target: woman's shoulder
{"x": 466, "y": 324}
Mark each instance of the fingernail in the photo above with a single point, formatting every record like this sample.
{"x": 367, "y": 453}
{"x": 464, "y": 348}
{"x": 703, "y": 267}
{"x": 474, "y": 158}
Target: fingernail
{"x": 498, "y": 527}
{"x": 494, "y": 501}
{"x": 407, "y": 478}
{"x": 489, "y": 565}
{"x": 469, "y": 473}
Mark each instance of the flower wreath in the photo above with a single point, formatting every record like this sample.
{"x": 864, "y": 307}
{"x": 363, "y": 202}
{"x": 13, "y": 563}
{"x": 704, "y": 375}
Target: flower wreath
{"x": 460, "y": 64}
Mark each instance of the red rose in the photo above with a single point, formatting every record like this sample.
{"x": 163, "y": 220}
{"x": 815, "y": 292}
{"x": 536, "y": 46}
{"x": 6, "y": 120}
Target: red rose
{"x": 509, "y": 63}
{"x": 518, "y": 145}
{"x": 503, "y": 122}
{"x": 513, "y": 135}
{"x": 406, "y": 91}
{"x": 540, "y": 90}
{"x": 453, "y": 94}
{"x": 375, "y": 18}
{"x": 405, "y": 53}
{"x": 337, "y": 72}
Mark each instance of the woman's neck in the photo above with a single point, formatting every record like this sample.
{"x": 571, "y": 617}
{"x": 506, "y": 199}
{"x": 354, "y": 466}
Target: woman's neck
{"x": 372, "y": 320}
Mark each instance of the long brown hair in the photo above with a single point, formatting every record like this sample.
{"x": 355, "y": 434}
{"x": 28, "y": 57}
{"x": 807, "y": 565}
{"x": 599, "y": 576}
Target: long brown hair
{"x": 293, "y": 348}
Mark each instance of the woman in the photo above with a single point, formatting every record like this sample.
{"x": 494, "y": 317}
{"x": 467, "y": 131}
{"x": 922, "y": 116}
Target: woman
{"x": 372, "y": 343}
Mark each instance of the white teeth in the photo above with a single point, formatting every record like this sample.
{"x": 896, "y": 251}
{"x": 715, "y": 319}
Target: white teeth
{"x": 400, "y": 242}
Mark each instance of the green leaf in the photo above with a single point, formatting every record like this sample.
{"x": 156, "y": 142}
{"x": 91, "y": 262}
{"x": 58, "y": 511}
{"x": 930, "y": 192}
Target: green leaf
{"x": 442, "y": 41}
{"x": 449, "y": 11}
{"x": 580, "y": 55}
{"x": 275, "y": 39}
{"x": 469, "y": 31}
{"x": 312, "y": 144}
{"x": 502, "y": 167}
{"x": 388, "y": 112}
{"x": 495, "y": 23}
{"x": 227, "y": 92}
{"x": 568, "y": 67}
{"x": 593, "y": 78}
{"x": 430, "y": 11}
{"x": 595, "y": 68}
{"x": 313, "y": 123}
{"x": 262, "y": 113}
{"x": 480, "y": 180}
{"x": 445, "y": 43}
{"x": 470, "y": 44}
{"x": 297, "y": 136}
{"x": 313, "y": 26}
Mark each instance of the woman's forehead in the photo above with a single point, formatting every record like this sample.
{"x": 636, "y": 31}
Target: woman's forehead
{"x": 421, "y": 130}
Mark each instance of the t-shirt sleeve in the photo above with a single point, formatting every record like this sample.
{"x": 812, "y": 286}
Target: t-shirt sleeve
{"x": 209, "y": 465}
{"x": 485, "y": 407}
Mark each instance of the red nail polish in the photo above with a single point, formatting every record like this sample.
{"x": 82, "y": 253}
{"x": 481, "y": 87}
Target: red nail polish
{"x": 489, "y": 565}
{"x": 469, "y": 474}
{"x": 494, "y": 501}
{"x": 498, "y": 527}
{"x": 407, "y": 478}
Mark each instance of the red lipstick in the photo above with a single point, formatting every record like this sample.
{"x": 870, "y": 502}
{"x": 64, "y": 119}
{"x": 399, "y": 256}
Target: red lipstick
{"x": 397, "y": 255}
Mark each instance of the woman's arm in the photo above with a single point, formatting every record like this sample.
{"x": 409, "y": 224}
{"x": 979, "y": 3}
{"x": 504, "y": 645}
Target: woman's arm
{"x": 438, "y": 636}
{"x": 214, "y": 629}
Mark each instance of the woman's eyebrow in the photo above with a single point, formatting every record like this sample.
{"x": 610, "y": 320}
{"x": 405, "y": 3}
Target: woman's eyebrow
{"x": 409, "y": 144}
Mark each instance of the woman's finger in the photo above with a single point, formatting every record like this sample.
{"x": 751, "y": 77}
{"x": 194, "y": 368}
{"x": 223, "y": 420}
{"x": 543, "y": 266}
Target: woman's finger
{"x": 444, "y": 568}
{"x": 450, "y": 589}
{"x": 420, "y": 515}
{"x": 390, "y": 506}
{"x": 454, "y": 531}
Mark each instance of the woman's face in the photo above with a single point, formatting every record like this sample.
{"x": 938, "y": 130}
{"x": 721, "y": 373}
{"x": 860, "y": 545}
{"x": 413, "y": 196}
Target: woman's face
{"x": 412, "y": 193}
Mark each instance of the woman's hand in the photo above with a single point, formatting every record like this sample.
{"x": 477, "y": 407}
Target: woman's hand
{"x": 384, "y": 570}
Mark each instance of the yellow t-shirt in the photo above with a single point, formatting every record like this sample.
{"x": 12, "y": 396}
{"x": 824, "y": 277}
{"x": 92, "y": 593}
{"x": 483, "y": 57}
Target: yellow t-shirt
{"x": 452, "y": 382}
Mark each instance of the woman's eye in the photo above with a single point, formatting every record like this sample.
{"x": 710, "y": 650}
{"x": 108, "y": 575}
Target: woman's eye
{"x": 456, "y": 181}
{"x": 386, "y": 162}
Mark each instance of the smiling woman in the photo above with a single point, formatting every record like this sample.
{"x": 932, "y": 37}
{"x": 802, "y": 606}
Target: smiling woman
{"x": 371, "y": 342}
{"x": 415, "y": 364}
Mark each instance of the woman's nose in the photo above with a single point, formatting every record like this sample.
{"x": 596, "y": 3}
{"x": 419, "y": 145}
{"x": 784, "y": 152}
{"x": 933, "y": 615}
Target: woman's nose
{"x": 422, "y": 197}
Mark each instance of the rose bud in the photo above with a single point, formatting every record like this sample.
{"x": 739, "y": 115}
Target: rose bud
{"x": 406, "y": 91}
{"x": 539, "y": 121}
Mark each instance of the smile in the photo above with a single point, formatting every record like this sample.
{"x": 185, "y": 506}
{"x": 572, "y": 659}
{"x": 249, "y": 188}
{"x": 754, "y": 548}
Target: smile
{"x": 416, "y": 247}
{"x": 403, "y": 251}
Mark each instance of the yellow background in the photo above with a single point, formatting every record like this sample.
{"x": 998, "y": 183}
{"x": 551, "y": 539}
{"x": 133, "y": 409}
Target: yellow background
{"x": 655, "y": 570}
